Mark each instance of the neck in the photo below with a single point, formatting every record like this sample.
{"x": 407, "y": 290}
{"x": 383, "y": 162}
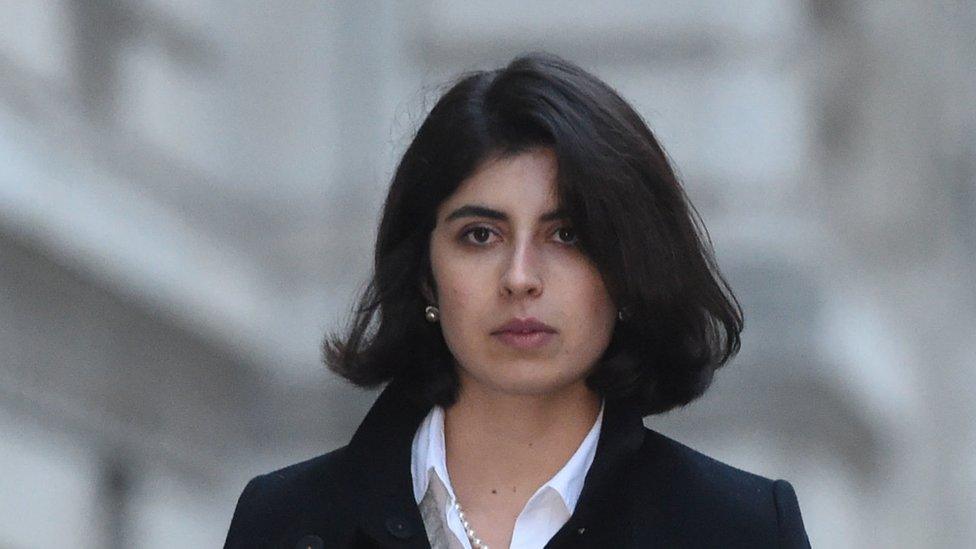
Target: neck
{"x": 502, "y": 447}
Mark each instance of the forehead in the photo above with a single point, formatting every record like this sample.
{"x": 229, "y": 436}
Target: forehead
{"x": 524, "y": 182}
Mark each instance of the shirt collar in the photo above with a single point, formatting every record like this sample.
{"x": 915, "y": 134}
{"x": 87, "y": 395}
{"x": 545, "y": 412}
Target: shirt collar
{"x": 428, "y": 454}
{"x": 568, "y": 482}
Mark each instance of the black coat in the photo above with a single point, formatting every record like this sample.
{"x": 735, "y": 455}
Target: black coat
{"x": 642, "y": 490}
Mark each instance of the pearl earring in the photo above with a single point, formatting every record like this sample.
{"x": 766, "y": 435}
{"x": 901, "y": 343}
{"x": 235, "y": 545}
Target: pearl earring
{"x": 432, "y": 314}
{"x": 623, "y": 314}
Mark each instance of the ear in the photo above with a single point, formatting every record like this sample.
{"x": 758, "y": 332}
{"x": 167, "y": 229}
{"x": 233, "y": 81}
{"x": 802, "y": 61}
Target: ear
{"x": 427, "y": 290}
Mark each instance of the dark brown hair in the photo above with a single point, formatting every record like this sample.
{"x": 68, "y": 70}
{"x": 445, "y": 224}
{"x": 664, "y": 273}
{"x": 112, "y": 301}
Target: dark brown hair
{"x": 632, "y": 217}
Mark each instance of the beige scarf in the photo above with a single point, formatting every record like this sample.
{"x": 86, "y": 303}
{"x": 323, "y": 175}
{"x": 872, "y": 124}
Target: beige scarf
{"x": 433, "y": 510}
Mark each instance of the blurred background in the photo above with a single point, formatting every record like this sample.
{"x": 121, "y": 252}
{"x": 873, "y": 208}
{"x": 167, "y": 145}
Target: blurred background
{"x": 189, "y": 192}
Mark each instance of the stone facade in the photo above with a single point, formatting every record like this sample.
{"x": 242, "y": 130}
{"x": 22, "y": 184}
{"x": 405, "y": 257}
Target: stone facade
{"x": 189, "y": 190}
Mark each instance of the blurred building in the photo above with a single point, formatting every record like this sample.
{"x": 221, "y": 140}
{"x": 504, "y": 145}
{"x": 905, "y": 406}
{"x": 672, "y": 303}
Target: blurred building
{"x": 189, "y": 190}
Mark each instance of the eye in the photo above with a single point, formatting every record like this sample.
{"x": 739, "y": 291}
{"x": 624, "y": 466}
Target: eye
{"x": 567, "y": 235}
{"x": 477, "y": 235}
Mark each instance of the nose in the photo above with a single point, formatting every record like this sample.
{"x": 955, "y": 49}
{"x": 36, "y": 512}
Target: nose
{"x": 522, "y": 275}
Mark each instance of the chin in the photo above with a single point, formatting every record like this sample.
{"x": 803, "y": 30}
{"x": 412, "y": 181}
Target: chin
{"x": 533, "y": 382}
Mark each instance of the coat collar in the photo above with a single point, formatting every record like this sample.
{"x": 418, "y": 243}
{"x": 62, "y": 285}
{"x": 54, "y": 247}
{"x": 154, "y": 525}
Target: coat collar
{"x": 381, "y": 484}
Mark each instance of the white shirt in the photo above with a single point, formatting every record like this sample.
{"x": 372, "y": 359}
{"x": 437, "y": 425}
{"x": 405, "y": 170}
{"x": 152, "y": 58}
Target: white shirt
{"x": 544, "y": 513}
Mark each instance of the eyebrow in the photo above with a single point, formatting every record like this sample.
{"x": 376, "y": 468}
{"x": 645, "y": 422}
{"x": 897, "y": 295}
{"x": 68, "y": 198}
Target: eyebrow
{"x": 472, "y": 210}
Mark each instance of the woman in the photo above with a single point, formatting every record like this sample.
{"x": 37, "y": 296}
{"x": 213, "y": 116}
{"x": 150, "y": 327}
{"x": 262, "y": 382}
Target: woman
{"x": 541, "y": 284}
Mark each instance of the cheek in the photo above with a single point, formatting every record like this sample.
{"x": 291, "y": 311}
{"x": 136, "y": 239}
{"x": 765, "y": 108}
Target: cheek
{"x": 597, "y": 311}
{"x": 603, "y": 306}
{"x": 459, "y": 306}
{"x": 457, "y": 289}
{"x": 460, "y": 295}
{"x": 462, "y": 312}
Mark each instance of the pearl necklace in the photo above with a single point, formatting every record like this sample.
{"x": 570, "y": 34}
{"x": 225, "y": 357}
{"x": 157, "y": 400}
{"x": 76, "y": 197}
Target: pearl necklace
{"x": 475, "y": 540}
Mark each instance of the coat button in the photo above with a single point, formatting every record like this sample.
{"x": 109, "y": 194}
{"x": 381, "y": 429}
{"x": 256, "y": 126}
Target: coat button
{"x": 310, "y": 542}
{"x": 399, "y": 528}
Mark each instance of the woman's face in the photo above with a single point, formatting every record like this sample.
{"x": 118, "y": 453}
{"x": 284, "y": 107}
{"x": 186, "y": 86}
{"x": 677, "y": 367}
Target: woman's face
{"x": 502, "y": 258}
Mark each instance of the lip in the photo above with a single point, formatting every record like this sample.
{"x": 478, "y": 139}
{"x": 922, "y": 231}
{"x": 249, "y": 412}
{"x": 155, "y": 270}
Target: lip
{"x": 525, "y": 333}
{"x": 524, "y": 325}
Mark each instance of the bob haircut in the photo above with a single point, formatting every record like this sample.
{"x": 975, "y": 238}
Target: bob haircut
{"x": 679, "y": 319}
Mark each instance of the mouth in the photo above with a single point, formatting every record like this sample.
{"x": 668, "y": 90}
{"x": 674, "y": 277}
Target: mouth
{"x": 525, "y": 340}
{"x": 525, "y": 333}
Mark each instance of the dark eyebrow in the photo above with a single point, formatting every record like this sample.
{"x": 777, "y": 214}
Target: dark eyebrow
{"x": 471, "y": 210}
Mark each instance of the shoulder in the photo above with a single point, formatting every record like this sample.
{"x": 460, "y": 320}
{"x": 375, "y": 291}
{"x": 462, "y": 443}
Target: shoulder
{"x": 699, "y": 470}
{"x": 715, "y": 498}
{"x": 273, "y": 504}
{"x": 302, "y": 476}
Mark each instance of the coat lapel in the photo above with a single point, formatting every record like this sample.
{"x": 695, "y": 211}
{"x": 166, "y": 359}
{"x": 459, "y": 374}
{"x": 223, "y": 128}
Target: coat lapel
{"x": 602, "y": 515}
{"x": 380, "y": 481}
